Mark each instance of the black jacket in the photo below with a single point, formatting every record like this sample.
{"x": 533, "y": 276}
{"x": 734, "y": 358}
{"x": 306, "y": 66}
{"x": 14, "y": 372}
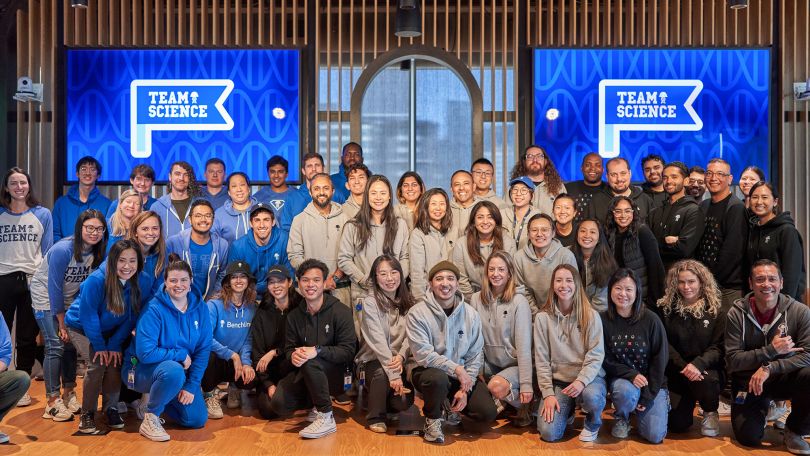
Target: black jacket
{"x": 683, "y": 219}
{"x": 731, "y": 234}
{"x": 601, "y": 202}
{"x": 658, "y": 198}
{"x": 698, "y": 341}
{"x": 779, "y": 241}
{"x": 331, "y": 330}
{"x": 268, "y": 332}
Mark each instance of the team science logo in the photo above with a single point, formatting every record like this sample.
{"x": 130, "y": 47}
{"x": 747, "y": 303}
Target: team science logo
{"x": 172, "y": 104}
{"x": 645, "y": 105}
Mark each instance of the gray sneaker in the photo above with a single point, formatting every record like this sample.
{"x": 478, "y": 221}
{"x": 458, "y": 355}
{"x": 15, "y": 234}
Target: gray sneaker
{"x": 710, "y": 425}
{"x": 621, "y": 429}
{"x": 795, "y": 443}
{"x": 450, "y": 417}
{"x": 433, "y": 430}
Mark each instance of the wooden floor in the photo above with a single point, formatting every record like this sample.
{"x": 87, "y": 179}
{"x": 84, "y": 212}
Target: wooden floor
{"x": 245, "y": 435}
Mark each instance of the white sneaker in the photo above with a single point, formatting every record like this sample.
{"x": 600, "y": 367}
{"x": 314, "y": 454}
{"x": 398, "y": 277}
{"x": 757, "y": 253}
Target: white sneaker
{"x": 776, "y": 410}
{"x": 139, "y": 405}
{"x": 234, "y": 397}
{"x": 323, "y": 425}
{"x": 72, "y": 403}
{"x": 57, "y": 412}
{"x": 152, "y": 428}
{"x": 214, "y": 407}
{"x": 312, "y": 415}
{"x": 4, "y": 437}
{"x": 724, "y": 409}
{"x": 433, "y": 430}
{"x": 710, "y": 425}
{"x": 588, "y": 436}
{"x": 24, "y": 401}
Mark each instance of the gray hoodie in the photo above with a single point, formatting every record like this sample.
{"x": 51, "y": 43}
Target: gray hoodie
{"x": 507, "y": 332}
{"x": 535, "y": 273}
{"x": 350, "y": 208}
{"x": 560, "y": 354}
{"x": 383, "y": 336}
{"x": 470, "y": 274}
{"x": 402, "y": 211}
{"x": 314, "y": 236}
{"x": 425, "y": 251}
{"x": 357, "y": 263}
{"x": 519, "y": 233}
{"x": 493, "y": 198}
{"x": 461, "y": 217}
{"x": 443, "y": 342}
{"x": 542, "y": 200}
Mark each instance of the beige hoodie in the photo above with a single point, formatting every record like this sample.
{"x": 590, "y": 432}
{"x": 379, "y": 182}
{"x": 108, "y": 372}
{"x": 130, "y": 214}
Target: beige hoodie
{"x": 470, "y": 274}
{"x": 425, "y": 251}
{"x": 461, "y": 216}
{"x": 314, "y": 236}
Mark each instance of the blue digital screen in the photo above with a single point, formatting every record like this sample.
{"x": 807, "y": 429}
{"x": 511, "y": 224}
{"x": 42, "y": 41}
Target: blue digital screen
{"x": 125, "y": 107}
{"x": 688, "y": 105}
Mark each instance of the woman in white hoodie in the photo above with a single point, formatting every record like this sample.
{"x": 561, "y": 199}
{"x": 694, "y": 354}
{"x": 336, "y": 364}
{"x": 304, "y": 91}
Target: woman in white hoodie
{"x": 506, "y": 324}
{"x": 568, "y": 350}
{"x": 431, "y": 240}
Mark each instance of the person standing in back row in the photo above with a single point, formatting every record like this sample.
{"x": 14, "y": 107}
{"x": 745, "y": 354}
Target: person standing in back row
{"x": 537, "y": 166}
{"x": 174, "y": 207}
{"x": 80, "y": 197}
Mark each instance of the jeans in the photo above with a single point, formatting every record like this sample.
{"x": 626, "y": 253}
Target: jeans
{"x": 163, "y": 381}
{"x": 652, "y": 423}
{"x": 13, "y": 385}
{"x": 592, "y": 400}
{"x": 60, "y": 358}
{"x": 436, "y": 386}
{"x": 381, "y": 398}
{"x": 307, "y": 386}
{"x": 107, "y": 379}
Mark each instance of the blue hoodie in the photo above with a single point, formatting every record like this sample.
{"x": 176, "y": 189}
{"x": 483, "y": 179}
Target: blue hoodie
{"x": 68, "y": 207}
{"x": 231, "y": 330}
{"x": 180, "y": 244}
{"x": 231, "y": 224}
{"x": 88, "y": 313}
{"x": 168, "y": 215}
{"x": 216, "y": 200}
{"x": 5, "y": 343}
{"x": 339, "y": 184}
{"x": 166, "y": 334}
{"x": 286, "y": 205}
{"x": 114, "y": 205}
{"x": 261, "y": 258}
{"x": 56, "y": 283}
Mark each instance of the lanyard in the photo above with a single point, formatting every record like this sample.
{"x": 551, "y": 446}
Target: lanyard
{"x": 515, "y": 233}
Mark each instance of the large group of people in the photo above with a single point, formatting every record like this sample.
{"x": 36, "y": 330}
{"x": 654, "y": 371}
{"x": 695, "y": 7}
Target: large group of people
{"x": 645, "y": 300}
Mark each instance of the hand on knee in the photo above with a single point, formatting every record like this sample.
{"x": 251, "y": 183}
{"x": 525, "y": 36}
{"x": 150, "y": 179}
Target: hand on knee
{"x": 499, "y": 387}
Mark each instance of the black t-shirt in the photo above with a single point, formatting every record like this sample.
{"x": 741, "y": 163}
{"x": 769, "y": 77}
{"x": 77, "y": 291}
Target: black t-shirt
{"x": 712, "y": 239}
{"x": 181, "y": 206}
{"x": 582, "y": 195}
{"x": 570, "y": 239}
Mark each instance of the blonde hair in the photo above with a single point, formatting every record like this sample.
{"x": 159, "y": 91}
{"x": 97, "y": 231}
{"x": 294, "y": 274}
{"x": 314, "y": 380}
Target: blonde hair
{"x": 581, "y": 305}
{"x": 120, "y": 226}
{"x": 509, "y": 290}
{"x": 708, "y": 301}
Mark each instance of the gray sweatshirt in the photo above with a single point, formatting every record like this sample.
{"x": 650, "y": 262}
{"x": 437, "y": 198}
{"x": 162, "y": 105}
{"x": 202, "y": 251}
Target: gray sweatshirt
{"x": 493, "y": 197}
{"x": 518, "y": 232}
{"x": 357, "y": 263}
{"x": 461, "y": 217}
{"x": 443, "y": 342}
{"x": 507, "y": 332}
{"x": 542, "y": 200}
{"x": 382, "y": 336}
{"x": 314, "y": 236}
{"x": 471, "y": 275}
{"x": 425, "y": 251}
{"x": 560, "y": 354}
{"x": 350, "y": 208}
{"x": 402, "y": 211}
{"x": 535, "y": 273}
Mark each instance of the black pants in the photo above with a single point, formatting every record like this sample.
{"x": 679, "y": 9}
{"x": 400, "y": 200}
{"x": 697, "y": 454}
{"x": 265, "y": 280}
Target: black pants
{"x": 436, "y": 386}
{"x": 748, "y": 418}
{"x": 307, "y": 386}
{"x": 17, "y": 299}
{"x": 277, "y": 369}
{"x": 381, "y": 398}
{"x": 220, "y": 370}
{"x": 683, "y": 394}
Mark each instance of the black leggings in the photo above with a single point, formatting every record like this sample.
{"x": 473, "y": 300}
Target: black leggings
{"x": 17, "y": 299}
{"x": 683, "y": 394}
{"x": 436, "y": 386}
{"x": 309, "y": 385}
{"x": 220, "y": 370}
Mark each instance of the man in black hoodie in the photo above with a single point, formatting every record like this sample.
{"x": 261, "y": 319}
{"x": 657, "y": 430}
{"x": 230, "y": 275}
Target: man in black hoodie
{"x": 320, "y": 344}
{"x": 768, "y": 358}
{"x": 678, "y": 224}
{"x": 653, "y": 167}
{"x": 619, "y": 179}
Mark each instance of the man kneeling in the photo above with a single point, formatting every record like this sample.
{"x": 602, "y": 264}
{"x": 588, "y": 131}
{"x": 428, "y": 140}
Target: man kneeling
{"x": 320, "y": 343}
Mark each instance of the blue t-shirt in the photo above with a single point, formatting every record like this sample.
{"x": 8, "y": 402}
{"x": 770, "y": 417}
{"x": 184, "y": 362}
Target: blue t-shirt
{"x": 200, "y": 256}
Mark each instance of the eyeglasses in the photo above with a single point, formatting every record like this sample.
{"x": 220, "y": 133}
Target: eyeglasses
{"x": 203, "y": 216}
{"x": 710, "y": 174}
{"x": 517, "y": 191}
{"x": 482, "y": 173}
{"x": 623, "y": 211}
{"x": 90, "y": 229}
{"x": 535, "y": 157}
{"x": 88, "y": 169}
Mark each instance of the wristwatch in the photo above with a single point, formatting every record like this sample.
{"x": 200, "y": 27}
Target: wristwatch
{"x": 766, "y": 366}
{"x": 318, "y": 349}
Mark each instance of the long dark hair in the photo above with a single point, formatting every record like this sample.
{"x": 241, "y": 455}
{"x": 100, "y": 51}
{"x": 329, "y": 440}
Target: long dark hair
{"x": 423, "y": 212}
{"x": 602, "y": 263}
{"x": 113, "y": 289}
{"x": 402, "y": 298}
{"x": 402, "y": 178}
{"x": 551, "y": 177}
{"x": 97, "y": 250}
{"x": 474, "y": 238}
{"x": 638, "y": 304}
{"x": 5, "y": 196}
{"x": 226, "y": 293}
{"x": 363, "y": 219}
{"x": 194, "y": 189}
{"x": 612, "y": 228}
{"x": 293, "y": 298}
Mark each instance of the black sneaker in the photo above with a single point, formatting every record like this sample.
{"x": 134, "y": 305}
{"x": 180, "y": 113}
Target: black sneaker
{"x": 114, "y": 418}
{"x": 87, "y": 425}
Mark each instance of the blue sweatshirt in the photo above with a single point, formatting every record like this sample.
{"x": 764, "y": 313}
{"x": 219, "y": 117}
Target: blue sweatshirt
{"x": 261, "y": 258}
{"x": 5, "y": 343}
{"x": 231, "y": 224}
{"x": 114, "y": 205}
{"x": 24, "y": 239}
{"x": 168, "y": 215}
{"x": 286, "y": 205}
{"x": 231, "y": 330}
{"x": 181, "y": 245}
{"x": 68, "y": 207}
{"x": 216, "y": 200}
{"x": 56, "y": 283}
{"x": 88, "y": 313}
{"x": 166, "y": 334}
{"x": 339, "y": 184}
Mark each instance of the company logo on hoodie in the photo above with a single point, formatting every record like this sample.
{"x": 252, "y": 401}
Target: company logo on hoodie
{"x": 277, "y": 204}
{"x": 221, "y": 323}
